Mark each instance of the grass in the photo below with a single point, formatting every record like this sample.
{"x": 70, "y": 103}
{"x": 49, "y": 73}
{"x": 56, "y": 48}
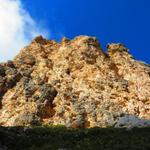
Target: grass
{"x": 61, "y": 138}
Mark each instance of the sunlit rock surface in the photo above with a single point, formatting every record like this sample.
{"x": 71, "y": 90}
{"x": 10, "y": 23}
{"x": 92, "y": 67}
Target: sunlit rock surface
{"x": 76, "y": 84}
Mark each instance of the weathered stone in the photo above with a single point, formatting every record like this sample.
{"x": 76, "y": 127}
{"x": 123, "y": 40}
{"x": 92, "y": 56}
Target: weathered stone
{"x": 131, "y": 121}
{"x": 40, "y": 40}
{"x": 65, "y": 40}
{"x": 47, "y": 93}
{"x": 27, "y": 60}
{"x": 2, "y": 85}
{"x": 76, "y": 84}
{"x": 26, "y": 72}
{"x": 2, "y": 70}
{"x": 1, "y": 81}
{"x": 10, "y": 64}
{"x": 27, "y": 119}
{"x": 12, "y": 77}
{"x": 29, "y": 89}
{"x": 35, "y": 98}
{"x": 40, "y": 81}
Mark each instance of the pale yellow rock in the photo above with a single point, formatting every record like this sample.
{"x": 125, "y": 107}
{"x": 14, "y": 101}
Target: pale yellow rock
{"x": 76, "y": 84}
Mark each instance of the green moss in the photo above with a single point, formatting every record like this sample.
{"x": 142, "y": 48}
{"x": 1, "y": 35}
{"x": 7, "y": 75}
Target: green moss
{"x": 59, "y": 137}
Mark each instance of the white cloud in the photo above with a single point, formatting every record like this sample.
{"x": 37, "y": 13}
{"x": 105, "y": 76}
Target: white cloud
{"x": 17, "y": 28}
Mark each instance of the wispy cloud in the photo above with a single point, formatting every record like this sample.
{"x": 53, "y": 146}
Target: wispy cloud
{"x": 17, "y": 28}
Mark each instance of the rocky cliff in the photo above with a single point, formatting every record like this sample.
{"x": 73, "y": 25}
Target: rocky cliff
{"x": 76, "y": 84}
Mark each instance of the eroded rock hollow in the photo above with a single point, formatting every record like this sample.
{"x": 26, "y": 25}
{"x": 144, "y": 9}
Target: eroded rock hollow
{"x": 76, "y": 84}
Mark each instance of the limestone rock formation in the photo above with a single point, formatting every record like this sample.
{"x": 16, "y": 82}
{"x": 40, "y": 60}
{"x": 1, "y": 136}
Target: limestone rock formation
{"x": 76, "y": 84}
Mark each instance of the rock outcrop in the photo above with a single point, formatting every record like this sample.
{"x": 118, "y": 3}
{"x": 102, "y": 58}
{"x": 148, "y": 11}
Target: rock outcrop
{"x": 76, "y": 84}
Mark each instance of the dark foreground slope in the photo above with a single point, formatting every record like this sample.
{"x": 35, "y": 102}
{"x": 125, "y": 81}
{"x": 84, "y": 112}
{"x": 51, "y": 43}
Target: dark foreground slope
{"x": 60, "y": 138}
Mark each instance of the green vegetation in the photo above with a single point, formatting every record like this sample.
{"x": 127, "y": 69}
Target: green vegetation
{"x": 61, "y": 138}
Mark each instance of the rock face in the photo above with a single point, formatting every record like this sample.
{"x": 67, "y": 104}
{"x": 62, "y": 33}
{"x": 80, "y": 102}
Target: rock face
{"x": 76, "y": 84}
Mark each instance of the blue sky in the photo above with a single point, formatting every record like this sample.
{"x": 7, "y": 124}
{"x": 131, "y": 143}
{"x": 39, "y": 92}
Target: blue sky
{"x": 125, "y": 21}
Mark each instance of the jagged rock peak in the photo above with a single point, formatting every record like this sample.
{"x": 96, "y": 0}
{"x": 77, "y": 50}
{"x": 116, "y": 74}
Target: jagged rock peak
{"x": 74, "y": 83}
{"x": 118, "y": 49}
{"x": 87, "y": 39}
{"x": 40, "y": 40}
{"x": 65, "y": 40}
